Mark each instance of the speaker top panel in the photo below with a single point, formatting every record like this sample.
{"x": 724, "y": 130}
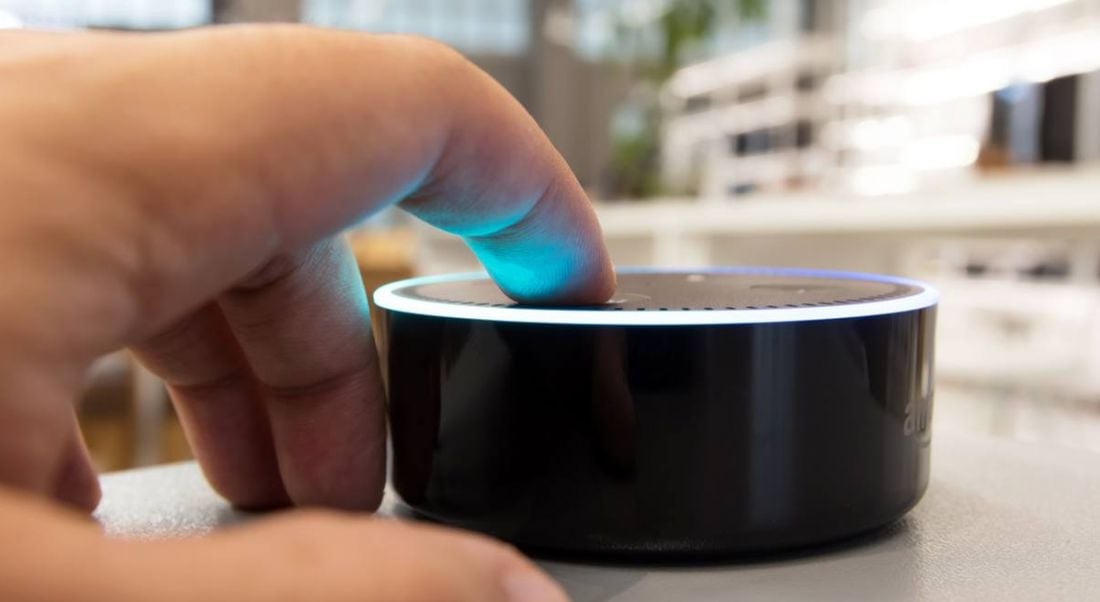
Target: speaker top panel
{"x": 670, "y": 297}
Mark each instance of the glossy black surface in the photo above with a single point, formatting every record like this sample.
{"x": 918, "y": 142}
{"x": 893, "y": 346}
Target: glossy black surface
{"x": 660, "y": 439}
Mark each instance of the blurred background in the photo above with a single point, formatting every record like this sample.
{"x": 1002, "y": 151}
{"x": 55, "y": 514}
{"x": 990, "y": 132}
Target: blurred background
{"x": 955, "y": 141}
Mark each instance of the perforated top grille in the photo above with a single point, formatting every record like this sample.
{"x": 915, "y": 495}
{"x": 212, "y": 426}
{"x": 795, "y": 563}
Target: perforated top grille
{"x": 693, "y": 291}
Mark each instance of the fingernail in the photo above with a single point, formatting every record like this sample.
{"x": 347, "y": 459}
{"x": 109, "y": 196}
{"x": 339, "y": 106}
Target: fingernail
{"x": 529, "y": 586}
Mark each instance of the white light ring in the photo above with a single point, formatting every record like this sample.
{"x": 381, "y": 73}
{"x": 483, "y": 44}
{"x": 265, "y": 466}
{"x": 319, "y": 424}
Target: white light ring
{"x": 387, "y": 298}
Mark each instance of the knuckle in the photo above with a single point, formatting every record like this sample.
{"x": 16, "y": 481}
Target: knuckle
{"x": 310, "y": 386}
{"x": 316, "y": 261}
{"x": 276, "y": 269}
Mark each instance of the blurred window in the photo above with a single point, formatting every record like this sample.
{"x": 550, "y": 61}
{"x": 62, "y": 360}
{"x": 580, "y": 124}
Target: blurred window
{"x": 596, "y": 27}
{"x": 476, "y": 26}
{"x": 115, "y": 14}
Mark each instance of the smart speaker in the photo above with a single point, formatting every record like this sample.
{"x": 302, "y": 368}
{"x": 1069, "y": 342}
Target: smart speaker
{"x": 699, "y": 412}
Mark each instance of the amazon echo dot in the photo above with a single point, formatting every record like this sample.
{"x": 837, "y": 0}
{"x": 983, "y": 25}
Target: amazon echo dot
{"x": 705, "y": 412}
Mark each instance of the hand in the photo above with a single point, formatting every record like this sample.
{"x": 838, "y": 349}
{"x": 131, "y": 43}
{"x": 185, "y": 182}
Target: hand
{"x": 181, "y": 194}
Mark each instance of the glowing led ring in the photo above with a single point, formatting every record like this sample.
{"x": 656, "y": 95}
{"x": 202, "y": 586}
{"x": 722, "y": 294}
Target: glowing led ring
{"x": 389, "y": 297}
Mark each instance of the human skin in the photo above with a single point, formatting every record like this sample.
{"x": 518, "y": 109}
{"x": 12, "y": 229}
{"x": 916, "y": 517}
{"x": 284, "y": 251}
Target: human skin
{"x": 182, "y": 195}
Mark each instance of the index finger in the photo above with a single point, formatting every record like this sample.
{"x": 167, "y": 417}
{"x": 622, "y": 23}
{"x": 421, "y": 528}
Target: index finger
{"x": 230, "y": 146}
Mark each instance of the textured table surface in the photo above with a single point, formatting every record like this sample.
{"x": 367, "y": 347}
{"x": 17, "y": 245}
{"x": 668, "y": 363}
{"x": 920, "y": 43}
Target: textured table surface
{"x": 1001, "y": 521}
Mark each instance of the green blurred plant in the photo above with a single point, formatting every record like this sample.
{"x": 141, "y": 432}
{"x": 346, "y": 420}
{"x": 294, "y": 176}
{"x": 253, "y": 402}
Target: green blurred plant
{"x": 655, "y": 50}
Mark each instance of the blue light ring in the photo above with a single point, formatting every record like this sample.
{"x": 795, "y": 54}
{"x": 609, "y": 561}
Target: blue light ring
{"x": 388, "y": 298}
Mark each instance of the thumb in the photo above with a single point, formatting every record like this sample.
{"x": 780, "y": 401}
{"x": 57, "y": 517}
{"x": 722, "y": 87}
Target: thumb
{"x": 316, "y": 555}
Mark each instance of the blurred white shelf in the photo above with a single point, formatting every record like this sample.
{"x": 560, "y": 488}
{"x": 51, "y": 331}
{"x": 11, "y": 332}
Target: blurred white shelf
{"x": 780, "y": 60}
{"x": 1047, "y": 203}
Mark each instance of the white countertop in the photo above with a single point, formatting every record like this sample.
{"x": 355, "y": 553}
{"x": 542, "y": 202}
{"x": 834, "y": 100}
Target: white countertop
{"x": 1002, "y": 520}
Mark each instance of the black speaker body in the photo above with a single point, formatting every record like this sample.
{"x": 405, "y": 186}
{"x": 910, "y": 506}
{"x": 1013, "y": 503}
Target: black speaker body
{"x": 710, "y": 412}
